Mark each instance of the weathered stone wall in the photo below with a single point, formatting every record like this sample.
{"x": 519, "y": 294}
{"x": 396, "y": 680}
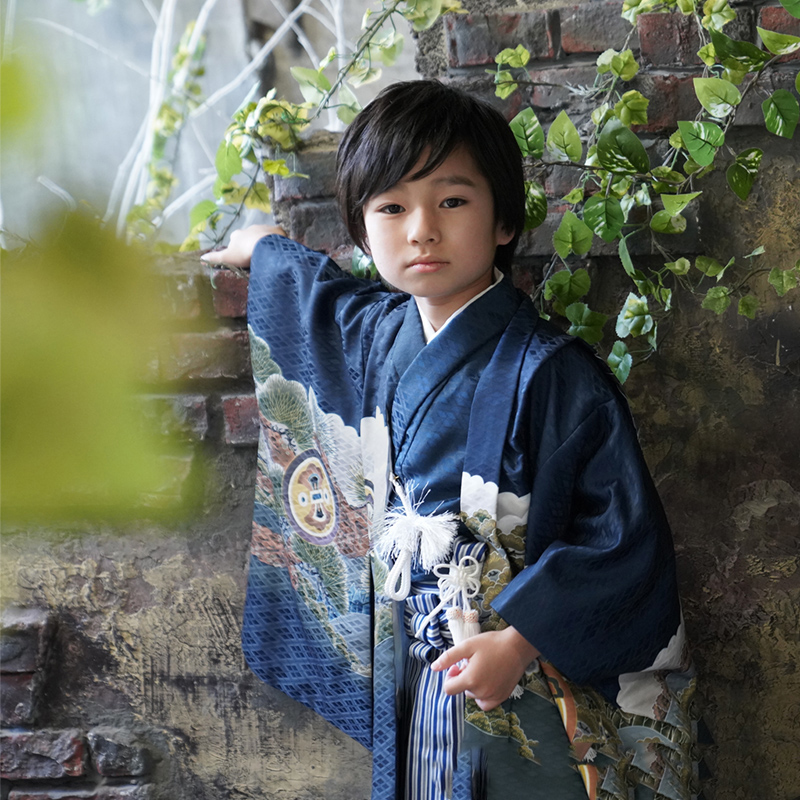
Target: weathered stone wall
{"x": 143, "y": 625}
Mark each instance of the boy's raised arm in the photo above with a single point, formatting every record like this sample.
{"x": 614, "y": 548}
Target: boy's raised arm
{"x": 240, "y": 248}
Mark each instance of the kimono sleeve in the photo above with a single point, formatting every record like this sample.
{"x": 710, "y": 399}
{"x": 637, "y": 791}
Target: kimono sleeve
{"x": 318, "y": 320}
{"x": 598, "y": 596}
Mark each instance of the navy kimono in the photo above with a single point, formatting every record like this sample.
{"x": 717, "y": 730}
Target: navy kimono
{"x": 522, "y": 432}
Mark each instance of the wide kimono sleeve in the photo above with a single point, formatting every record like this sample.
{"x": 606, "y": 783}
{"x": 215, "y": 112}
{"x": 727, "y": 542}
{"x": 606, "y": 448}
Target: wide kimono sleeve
{"x": 598, "y": 594}
{"x": 307, "y": 627}
{"x": 319, "y": 321}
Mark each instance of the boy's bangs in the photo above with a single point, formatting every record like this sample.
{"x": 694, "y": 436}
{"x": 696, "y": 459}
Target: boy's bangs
{"x": 400, "y": 157}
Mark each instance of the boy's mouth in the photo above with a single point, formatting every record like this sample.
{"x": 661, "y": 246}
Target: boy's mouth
{"x": 427, "y": 265}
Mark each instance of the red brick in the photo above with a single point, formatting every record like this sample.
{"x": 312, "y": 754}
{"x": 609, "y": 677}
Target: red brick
{"x": 18, "y": 696}
{"x": 672, "y": 97}
{"x": 475, "y": 39}
{"x": 594, "y": 28}
{"x": 184, "y": 416}
{"x": 317, "y": 225}
{"x": 229, "y": 292}
{"x": 41, "y": 755}
{"x": 176, "y": 487}
{"x": 25, "y": 636}
{"x": 240, "y": 412}
{"x": 317, "y": 160}
{"x": 214, "y": 354}
{"x": 749, "y": 111}
{"x": 118, "y": 753}
{"x": 552, "y": 91}
{"x": 778, "y": 19}
{"x": 137, "y": 792}
{"x": 180, "y": 291}
{"x": 669, "y": 39}
{"x": 561, "y": 180}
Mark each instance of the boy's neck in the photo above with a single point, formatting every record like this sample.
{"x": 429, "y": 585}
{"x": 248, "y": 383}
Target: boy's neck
{"x": 437, "y": 315}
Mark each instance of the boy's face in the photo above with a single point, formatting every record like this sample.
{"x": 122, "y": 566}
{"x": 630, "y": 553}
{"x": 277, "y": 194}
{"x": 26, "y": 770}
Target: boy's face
{"x": 435, "y": 237}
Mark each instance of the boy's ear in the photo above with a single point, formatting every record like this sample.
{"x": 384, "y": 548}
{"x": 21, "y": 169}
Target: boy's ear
{"x": 502, "y": 234}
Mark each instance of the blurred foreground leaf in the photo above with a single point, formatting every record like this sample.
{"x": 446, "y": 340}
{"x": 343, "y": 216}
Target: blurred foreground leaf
{"x": 79, "y": 321}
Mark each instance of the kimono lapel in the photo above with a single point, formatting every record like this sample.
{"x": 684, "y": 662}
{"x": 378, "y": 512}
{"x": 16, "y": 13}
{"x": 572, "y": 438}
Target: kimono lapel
{"x": 457, "y": 354}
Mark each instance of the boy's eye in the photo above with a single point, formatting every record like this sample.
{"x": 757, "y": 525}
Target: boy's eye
{"x": 392, "y": 208}
{"x": 453, "y": 202}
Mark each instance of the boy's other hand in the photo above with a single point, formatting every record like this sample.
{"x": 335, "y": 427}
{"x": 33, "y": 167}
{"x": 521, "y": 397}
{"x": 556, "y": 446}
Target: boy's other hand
{"x": 241, "y": 246}
{"x": 496, "y": 660}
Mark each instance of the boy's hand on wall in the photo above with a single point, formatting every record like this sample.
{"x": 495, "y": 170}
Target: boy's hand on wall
{"x": 496, "y": 660}
{"x": 241, "y": 246}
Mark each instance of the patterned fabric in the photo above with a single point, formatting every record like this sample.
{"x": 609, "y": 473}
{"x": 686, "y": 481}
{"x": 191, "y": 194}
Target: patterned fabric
{"x": 523, "y": 432}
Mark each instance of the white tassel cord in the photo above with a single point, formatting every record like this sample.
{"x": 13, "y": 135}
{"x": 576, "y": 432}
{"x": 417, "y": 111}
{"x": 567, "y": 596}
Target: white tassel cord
{"x": 410, "y": 537}
{"x": 458, "y": 583}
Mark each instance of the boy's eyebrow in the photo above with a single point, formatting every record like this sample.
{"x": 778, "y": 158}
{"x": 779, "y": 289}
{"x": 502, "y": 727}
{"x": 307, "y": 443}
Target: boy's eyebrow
{"x": 454, "y": 180}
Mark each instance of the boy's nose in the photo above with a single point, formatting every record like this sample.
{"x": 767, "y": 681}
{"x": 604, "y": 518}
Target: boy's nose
{"x": 423, "y": 228}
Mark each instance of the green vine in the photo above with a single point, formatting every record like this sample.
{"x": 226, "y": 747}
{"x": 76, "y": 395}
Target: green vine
{"x": 618, "y": 192}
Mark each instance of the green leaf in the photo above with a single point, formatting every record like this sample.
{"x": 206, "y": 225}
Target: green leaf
{"x": 687, "y": 7}
{"x": 739, "y": 54}
{"x": 675, "y": 203}
{"x": 535, "y": 205}
{"x": 742, "y": 173}
{"x": 781, "y": 44}
{"x": 668, "y": 180}
{"x": 362, "y": 265}
{"x": 748, "y": 305}
{"x": 702, "y": 140}
{"x": 228, "y": 162}
{"x": 632, "y": 108}
{"x": 602, "y": 114}
{"x": 604, "y": 61}
{"x": 623, "y": 64}
{"x": 781, "y": 113}
{"x": 258, "y": 198}
{"x": 783, "y": 280}
{"x": 665, "y": 295}
{"x": 676, "y": 140}
{"x": 528, "y": 132}
{"x": 716, "y": 14}
{"x": 313, "y": 84}
{"x": 710, "y": 266}
{"x": 505, "y": 84}
{"x": 563, "y": 140}
{"x": 679, "y": 267}
{"x": 572, "y": 236}
{"x": 620, "y": 361}
{"x": 348, "y": 104}
{"x": 793, "y": 7}
{"x": 586, "y": 324}
{"x": 759, "y": 251}
{"x": 516, "y": 58}
{"x": 717, "y": 299}
{"x": 620, "y": 150}
{"x": 201, "y": 212}
{"x": 717, "y": 96}
{"x": 664, "y": 222}
{"x": 422, "y": 13}
{"x": 634, "y": 318}
{"x": 708, "y": 55}
{"x": 604, "y": 216}
{"x": 574, "y": 197}
{"x": 625, "y": 257}
{"x": 567, "y": 287}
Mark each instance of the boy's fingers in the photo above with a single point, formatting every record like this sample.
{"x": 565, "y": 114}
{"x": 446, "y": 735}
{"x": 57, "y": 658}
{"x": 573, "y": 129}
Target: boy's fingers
{"x": 450, "y": 657}
{"x": 214, "y": 256}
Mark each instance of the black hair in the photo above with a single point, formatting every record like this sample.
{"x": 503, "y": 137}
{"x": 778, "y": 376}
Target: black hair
{"x": 405, "y": 120}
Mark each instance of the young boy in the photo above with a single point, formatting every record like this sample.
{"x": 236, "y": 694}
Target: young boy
{"x": 458, "y": 556}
